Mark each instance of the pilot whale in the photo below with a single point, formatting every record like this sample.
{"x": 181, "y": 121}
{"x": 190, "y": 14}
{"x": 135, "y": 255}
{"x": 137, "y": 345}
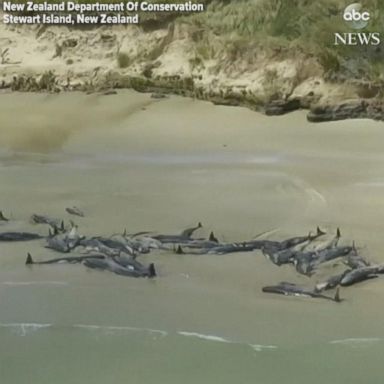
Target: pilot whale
{"x": 184, "y": 236}
{"x": 75, "y": 211}
{"x": 59, "y": 260}
{"x": 19, "y": 236}
{"x": 111, "y": 265}
{"x": 289, "y": 289}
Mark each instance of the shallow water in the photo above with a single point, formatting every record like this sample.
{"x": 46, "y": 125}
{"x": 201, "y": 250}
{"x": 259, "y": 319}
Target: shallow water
{"x": 131, "y": 162}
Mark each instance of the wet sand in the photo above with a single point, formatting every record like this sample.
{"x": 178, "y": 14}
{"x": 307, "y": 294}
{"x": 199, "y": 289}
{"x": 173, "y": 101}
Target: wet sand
{"x": 133, "y": 162}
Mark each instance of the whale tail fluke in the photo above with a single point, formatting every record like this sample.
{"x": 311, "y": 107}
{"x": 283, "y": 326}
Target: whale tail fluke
{"x": 320, "y": 232}
{"x": 2, "y": 217}
{"x": 29, "y": 260}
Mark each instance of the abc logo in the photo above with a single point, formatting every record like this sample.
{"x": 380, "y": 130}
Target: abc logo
{"x": 355, "y": 17}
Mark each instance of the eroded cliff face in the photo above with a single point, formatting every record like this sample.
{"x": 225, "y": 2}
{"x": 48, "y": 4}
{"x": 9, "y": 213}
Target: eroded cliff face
{"x": 165, "y": 57}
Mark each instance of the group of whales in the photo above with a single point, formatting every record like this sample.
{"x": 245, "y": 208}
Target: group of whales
{"x": 118, "y": 253}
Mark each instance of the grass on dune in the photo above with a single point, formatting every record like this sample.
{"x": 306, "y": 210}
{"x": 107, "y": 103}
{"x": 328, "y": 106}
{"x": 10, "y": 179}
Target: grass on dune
{"x": 248, "y": 27}
{"x": 243, "y": 29}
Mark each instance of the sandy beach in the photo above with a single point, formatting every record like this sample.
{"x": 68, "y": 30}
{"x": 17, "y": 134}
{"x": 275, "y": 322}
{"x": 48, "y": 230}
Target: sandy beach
{"x": 182, "y": 119}
{"x": 133, "y": 162}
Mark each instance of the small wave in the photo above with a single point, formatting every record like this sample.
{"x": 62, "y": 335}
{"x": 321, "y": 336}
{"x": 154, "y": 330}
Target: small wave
{"x": 372, "y": 184}
{"x": 175, "y": 159}
{"x": 204, "y": 337}
{"x": 261, "y": 348}
{"x": 27, "y": 283}
{"x": 23, "y": 329}
{"x": 357, "y": 341}
{"x": 255, "y": 347}
{"x": 316, "y": 196}
{"x": 313, "y": 194}
{"x": 264, "y": 160}
{"x": 109, "y": 329}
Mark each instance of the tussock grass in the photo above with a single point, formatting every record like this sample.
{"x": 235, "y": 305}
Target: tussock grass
{"x": 231, "y": 31}
{"x": 123, "y": 60}
{"x": 243, "y": 29}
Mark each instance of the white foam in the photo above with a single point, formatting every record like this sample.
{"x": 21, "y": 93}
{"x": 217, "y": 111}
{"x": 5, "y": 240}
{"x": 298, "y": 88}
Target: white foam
{"x": 255, "y": 347}
{"x": 357, "y": 341}
{"x": 204, "y": 337}
{"x": 27, "y": 283}
{"x": 261, "y": 348}
{"x": 24, "y": 328}
{"x": 109, "y": 328}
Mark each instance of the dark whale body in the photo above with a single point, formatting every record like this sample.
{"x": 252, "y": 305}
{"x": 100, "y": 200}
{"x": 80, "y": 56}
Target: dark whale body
{"x": 111, "y": 265}
{"x": 289, "y": 289}
{"x": 19, "y": 236}
{"x": 69, "y": 259}
{"x": 360, "y": 274}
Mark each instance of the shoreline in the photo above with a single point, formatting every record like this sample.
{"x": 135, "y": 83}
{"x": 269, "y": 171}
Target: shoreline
{"x": 371, "y": 109}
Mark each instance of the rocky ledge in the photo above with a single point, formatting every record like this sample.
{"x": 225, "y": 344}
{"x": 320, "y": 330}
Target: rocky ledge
{"x": 281, "y": 107}
{"x": 353, "y": 109}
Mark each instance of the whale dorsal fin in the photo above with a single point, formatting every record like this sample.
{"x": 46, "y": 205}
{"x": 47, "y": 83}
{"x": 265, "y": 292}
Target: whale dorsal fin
{"x": 213, "y": 238}
{"x": 152, "y": 270}
{"x": 29, "y": 259}
{"x": 337, "y": 295}
{"x": 320, "y": 232}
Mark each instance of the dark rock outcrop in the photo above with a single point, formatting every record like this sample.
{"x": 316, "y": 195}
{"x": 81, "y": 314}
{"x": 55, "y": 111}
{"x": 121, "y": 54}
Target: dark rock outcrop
{"x": 281, "y": 107}
{"x": 354, "y": 109}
